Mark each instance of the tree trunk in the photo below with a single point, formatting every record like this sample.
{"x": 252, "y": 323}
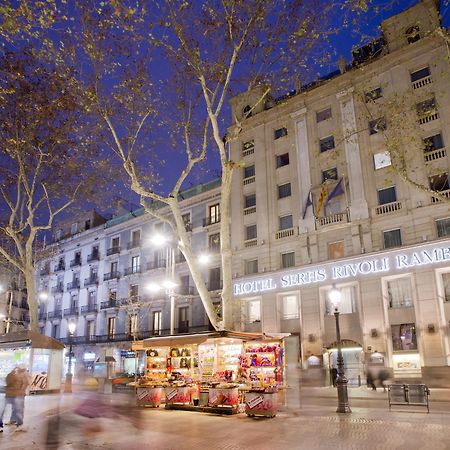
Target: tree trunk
{"x": 31, "y": 298}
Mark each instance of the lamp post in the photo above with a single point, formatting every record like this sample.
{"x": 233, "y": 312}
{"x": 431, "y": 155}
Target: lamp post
{"x": 341, "y": 381}
{"x": 68, "y": 384}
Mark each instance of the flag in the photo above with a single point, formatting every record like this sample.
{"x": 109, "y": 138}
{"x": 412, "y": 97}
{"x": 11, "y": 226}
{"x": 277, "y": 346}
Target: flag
{"x": 308, "y": 203}
{"x": 322, "y": 198}
{"x": 338, "y": 190}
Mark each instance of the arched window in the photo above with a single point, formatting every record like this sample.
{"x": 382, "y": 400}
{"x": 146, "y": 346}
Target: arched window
{"x": 412, "y": 34}
{"x": 247, "y": 111}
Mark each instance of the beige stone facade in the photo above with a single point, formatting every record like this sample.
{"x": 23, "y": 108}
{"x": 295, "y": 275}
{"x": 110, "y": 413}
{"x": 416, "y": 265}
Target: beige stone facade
{"x": 382, "y": 241}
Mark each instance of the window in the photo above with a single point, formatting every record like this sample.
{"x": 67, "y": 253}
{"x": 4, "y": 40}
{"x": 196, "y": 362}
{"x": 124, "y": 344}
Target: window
{"x": 55, "y": 331}
{"x": 78, "y": 257}
{"x": 336, "y": 250}
{"x": 439, "y": 183}
{"x": 90, "y": 329}
{"x": 135, "y": 264}
{"x": 392, "y": 238}
{"x": 136, "y": 237}
{"x": 420, "y": 74}
{"x": 74, "y": 228}
{"x": 214, "y": 241}
{"x": 214, "y": 213}
{"x": 249, "y": 200}
{"x": 247, "y": 111}
{"x": 159, "y": 258}
{"x": 426, "y": 108}
{"x": 91, "y": 300}
{"x": 74, "y": 301}
{"x": 284, "y": 190}
{"x": 248, "y": 148}
{"x": 133, "y": 324}
{"x": 323, "y": 115}
{"x": 329, "y": 174}
{"x": 399, "y": 293}
{"x": 433, "y": 143}
{"x": 250, "y": 232}
{"x": 183, "y": 319}
{"x": 157, "y": 322}
{"x": 443, "y": 227}
{"x": 412, "y": 34}
{"x": 254, "y": 311}
{"x": 377, "y": 125}
{"x": 326, "y": 143}
{"x": 404, "y": 337}
{"x": 282, "y": 160}
{"x": 214, "y": 279}
{"x": 114, "y": 266}
{"x": 347, "y": 304}
{"x": 287, "y": 260}
{"x": 111, "y": 326}
{"x": 251, "y": 266}
{"x": 187, "y": 221}
{"x": 280, "y": 132}
{"x": 286, "y": 222}
{"x": 115, "y": 242}
{"x": 387, "y": 195}
{"x": 446, "y": 286}
{"x": 112, "y": 295}
{"x": 373, "y": 95}
{"x": 133, "y": 291}
{"x": 58, "y": 235}
{"x": 249, "y": 171}
{"x": 289, "y": 307}
{"x": 382, "y": 159}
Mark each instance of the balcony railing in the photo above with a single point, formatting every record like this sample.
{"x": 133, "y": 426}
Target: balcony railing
{"x": 285, "y": 233}
{"x": 249, "y": 210}
{"x": 93, "y": 257}
{"x": 422, "y": 82}
{"x": 75, "y": 262}
{"x": 132, "y": 270}
{"x": 91, "y": 281}
{"x": 215, "y": 285}
{"x": 332, "y": 219}
{"x": 249, "y": 180}
{"x": 388, "y": 208}
{"x": 56, "y": 314}
{"x": 435, "y": 154}
{"x": 131, "y": 300}
{"x": 133, "y": 244}
{"x": 159, "y": 264}
{"x": 250, "y": 243}
{"x": 60, "y": 267}
{"x": 75, "y": 284}
{"x": 444, "y": 193}
{"x": 185, "y": 290}
{"x": 110, "y": 304}
{"x": 71, "y": 311}
{"x": 211, "y": 220}
{"x": 58, "y": 288}
{"x": 429, "y": 117}
{"x": 112, "y": 251}
{"x": 89, "y": 308}
{"x": 111, "y": 275}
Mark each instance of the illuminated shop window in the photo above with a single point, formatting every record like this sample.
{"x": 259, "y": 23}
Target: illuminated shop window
{"x": 254, "y": 311}
{"x": 404, "y": 337}
{"x": 400, "y": 293}
{"x": 347, "y": 304}
{"x": 289, "y": 307}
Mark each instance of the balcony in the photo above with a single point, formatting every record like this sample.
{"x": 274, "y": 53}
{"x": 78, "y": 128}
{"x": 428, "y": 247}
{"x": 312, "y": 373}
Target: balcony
{"x": 75, "y": 284}
{"x": 111, "y": 275}
{"x": 89, "y": 308}
{"x": 288, "y": 232}
{"x": 333, "y": 219}
{"x": 211, "y": 220}
{"x": 59, "y": 288}
{"x": 388, "y": 208}
{"x": 109, "y": 304}
{"x": 215, "y": 285}
{"x": 93, "y": 257}
{"x": 185, "y": 290}
{"x": 249, "y": 210}
{"x": 134, "y": 244}
{"x": 422, "y": 82}
{"x": 60, "y": 267}
{"x": 435, "y": 154}
{"x": 445, "y": 193}
{"x": 132, "y": 270}
{"x": 71, "y": 312}
{"x": 75, "y": 262}
{"x": 56, "y": 314}
{"x": 428, "y": 117}
{"x": 249, "y": 180}
{"x": 131, "y": 300}
{"x": 91, "y": 281}
{"x": 112, "y": 251}
{"x": 250, "y": 243}
{"x": 159, "y": 264}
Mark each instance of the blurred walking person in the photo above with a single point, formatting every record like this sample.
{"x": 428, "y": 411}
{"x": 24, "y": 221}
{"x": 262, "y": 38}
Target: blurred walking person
{"x": 11, "y": 381}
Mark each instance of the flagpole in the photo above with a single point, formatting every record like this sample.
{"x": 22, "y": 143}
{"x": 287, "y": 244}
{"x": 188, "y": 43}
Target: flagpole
{"x": 345, "y": 195}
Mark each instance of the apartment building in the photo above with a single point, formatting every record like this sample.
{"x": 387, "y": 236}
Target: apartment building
{"x": 103, "y": 276}
{"x": 320, "y": 204}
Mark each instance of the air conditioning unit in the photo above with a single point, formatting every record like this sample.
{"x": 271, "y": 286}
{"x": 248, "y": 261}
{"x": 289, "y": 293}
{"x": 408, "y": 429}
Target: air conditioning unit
{"x": 431, "y": 328}
{"x": 311, "y": 338}
{"x": 374, "y": 333}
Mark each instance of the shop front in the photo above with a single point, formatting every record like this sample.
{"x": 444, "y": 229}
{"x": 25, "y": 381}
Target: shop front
{"x": 42, "y": 356}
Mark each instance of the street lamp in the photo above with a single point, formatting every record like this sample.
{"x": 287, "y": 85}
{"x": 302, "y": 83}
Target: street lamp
{"x": 68, "y": 384}
{"x": 334, "y": 296}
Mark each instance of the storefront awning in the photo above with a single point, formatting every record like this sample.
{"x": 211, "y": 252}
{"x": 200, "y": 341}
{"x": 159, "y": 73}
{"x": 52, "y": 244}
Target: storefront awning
{"x": 29, "y": 338}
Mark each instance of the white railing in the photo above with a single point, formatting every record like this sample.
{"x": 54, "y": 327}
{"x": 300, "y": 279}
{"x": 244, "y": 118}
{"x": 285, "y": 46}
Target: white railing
{"x": 249, "y": 180}
{"x": 285, "y": 233}
{"x": 428, "y": 117}
{"x": 248, "y": 151}
{"x": 250, "y": 210}
{"x": 388, "y": 208}
{"x": 251, "y": 243}
{"x": 332, "y": 219}
{"x": 422, "y": 82}
{"x": 444, "y": 193}
{"x": 435, "y": 154}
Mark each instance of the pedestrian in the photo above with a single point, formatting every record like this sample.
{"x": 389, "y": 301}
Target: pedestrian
{"x": 334, "y": 374}
{"x": 23, "y": 381}
{"x": 11, "y": 381}
{"x": 371, "y": 378}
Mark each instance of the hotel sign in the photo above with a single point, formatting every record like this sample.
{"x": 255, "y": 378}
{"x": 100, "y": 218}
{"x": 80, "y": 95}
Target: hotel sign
{"x": 362, "y": 266}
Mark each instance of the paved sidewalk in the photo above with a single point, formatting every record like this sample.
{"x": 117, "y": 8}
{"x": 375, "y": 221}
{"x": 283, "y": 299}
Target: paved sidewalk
{"x": 308, "y": 421}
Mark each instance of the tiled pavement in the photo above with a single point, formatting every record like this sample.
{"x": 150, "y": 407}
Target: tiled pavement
{"x": 307, "y": 421}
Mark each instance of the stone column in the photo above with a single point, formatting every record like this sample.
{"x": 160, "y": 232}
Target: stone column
{"x": 357, "y": 201}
